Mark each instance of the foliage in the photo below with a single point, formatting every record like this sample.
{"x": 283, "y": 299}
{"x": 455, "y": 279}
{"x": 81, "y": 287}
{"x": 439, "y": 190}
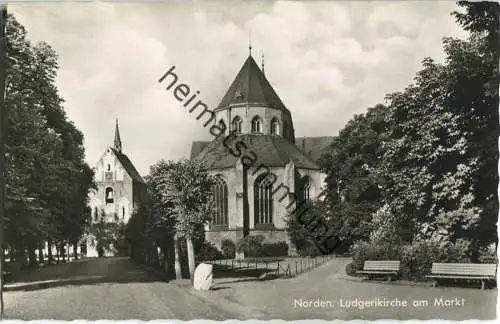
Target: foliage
{"x": 228, "y": 249}
{"x": 109, "y": 235}
{"x": 425, "y": 165}
{"x": 47, "y": 180}
{"x": 250, "y": 245}
{"x": 277, "y": 249}
{"x": 353, "y": 181}
{"x": 208, "y": 251}
{"x": 301, "y": 228}
{"x": 183, "y": 190}
{"x": 416, "y": 259}
{"x": 488, "y": 254}
{"x": 350, "y": 270}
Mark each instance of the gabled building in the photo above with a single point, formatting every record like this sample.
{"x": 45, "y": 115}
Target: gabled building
{"x": 120, "y": 187}
{"x": 249, "y": 200}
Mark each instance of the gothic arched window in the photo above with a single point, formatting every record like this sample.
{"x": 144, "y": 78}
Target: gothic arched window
{"x": 275, "y": 126}
{"x": 109, "y": 195}
{"x": 220, "y": 211}
{"x": 237, "y": 124}
{"x": 256, "y": 125}
{"x": 263, "y": 200}
{"x": 306, "y": 188}
{"x": 96, "y": 214}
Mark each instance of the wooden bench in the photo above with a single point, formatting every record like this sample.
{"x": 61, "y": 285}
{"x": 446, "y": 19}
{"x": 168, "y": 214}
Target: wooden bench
{"x": 381, "y": 268}
{"x": 470, "y": 271}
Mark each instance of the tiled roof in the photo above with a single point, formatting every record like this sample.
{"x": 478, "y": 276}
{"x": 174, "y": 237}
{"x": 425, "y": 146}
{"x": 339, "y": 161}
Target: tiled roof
{"x": 196, "y": 148}
{"x": 128, "y": 166}
{"x": 251, "y": 86}
{"x": 272, "y": 151}
{"x": 314, "y": 146}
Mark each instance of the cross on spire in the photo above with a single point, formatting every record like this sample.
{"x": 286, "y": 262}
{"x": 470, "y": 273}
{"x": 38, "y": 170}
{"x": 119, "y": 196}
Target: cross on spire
{"x": 250, "y": 44}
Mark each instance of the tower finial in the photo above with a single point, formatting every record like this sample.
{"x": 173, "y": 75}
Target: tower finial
{"x": 117, "y": 144}
{"x": 250, "y": 43}
{"x": 263, "y": 62}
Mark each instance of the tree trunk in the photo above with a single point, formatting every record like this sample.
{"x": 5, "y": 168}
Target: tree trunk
{"x": 191, "y": 260}
{"x": 62, "y": 252}
{"x": 177, "y": 266}
{"x": 32, "y": 256}
{"x": 75, "y": 251}
{"x": 50, "y": 257}
{"x": 40, "y": 253}
{"x": 21, "y": 256}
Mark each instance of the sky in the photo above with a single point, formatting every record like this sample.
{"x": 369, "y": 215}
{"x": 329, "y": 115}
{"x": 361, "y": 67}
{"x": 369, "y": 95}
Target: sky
{"x": 327, "y": 60}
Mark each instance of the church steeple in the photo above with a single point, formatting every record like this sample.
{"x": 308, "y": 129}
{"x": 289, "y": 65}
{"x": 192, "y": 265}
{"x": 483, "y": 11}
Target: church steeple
{"x": 117, "y": 144}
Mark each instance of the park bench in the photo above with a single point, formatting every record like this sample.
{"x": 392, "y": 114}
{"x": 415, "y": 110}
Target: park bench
{"x": 381, "y": 268}
{"x": 468, "y": 271}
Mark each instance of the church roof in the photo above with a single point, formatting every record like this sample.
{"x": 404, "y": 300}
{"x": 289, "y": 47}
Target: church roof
{"x": 313, "y": 147}
{"x": 128, "y": 166}
{"x": 272, "y": 151}
{"x": 251, "y": 86}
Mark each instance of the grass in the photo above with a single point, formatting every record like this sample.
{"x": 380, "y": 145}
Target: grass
{"x": 284, "y": 267}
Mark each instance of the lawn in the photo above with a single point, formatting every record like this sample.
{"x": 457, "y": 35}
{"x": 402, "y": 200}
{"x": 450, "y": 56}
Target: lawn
{"x": 282, "y": 267}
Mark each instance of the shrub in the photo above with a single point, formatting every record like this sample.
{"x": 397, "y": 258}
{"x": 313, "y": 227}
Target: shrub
{"x": 274, "y": 249}
{"x": 208, "y": 251}
{"x": 488, "y": 254}
{"x": 416, "y": 259}
{"x": 228, "y": 249}
{"x": 250, "y": 245}
{"x": 350, "y": 270}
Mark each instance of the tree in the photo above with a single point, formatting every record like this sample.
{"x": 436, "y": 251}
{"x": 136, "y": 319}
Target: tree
{"x": 354, "y": 181}
{"x": 47, "y": 179}
{"x": 440, "y": 159}
{"x": 183, "y": 190}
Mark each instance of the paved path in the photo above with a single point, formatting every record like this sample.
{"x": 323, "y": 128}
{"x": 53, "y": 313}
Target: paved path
{"x": 109, "y": 288}
{"x": 114, "y": 288}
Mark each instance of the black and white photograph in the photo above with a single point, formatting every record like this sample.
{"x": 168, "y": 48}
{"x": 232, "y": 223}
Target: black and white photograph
{"x": 249, "y": 160}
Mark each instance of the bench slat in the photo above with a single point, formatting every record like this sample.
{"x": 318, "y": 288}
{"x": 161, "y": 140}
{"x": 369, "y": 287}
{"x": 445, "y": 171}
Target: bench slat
{"x": 381, "y": 265}
{"x": 464, "y": 269}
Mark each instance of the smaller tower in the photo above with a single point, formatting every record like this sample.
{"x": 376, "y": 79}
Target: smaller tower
{"x": 117, "y": 144}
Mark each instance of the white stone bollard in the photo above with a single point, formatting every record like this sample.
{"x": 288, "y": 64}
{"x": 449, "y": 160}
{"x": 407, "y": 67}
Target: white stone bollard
{"x": 203, "y": 277}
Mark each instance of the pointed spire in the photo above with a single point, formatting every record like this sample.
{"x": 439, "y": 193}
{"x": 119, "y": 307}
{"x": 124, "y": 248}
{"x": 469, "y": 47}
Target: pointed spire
{"x": 117, "y": 144}
{"x": 263, "y": 63}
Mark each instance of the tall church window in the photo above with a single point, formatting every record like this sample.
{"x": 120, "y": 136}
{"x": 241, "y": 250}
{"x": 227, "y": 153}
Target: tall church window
{"x": 263, "y": 200}
{"x": 123, "y": 212}
{"x": 275, "y": 126}
{"x": 237, "y": 125}
{"x": 109, "y": 195}
{"x": 256, "y": 125}
{"x": 96, "y": 214}
{"x": 306, "y": 189}
{"x": 220, "y": 211}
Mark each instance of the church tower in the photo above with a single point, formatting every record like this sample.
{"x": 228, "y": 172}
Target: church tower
{"x": 251, "y": 106}
{"x": 120, "y": 187}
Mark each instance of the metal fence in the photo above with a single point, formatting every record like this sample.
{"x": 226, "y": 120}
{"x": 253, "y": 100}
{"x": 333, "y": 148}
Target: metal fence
{"x": 281, "y": 268}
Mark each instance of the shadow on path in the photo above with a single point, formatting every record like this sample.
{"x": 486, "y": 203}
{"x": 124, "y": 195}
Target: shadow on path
{"x": 82, "y": 272}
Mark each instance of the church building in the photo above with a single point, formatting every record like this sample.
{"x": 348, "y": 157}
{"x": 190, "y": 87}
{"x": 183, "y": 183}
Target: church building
{"x": 263, "y": 171}
{"x": 120, "y": 188}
